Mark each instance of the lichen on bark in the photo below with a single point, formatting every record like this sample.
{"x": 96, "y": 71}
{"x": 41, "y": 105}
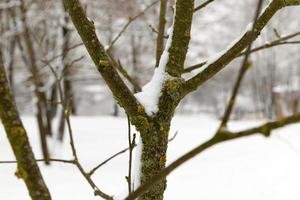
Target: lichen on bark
{"x": 27, "y": 168}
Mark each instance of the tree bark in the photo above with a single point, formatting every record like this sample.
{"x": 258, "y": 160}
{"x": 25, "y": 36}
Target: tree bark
{"x": 154, "y": 133}
{"x": 27, "y": 169}
{"x": 155, "y": 143}
{"x": 154, "y": 129}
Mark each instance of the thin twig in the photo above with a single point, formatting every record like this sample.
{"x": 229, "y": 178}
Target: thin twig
{"x": 203, "y": 5}
{"x": 121, "y": 69}
{"x": 92, "y": 171}
{"x": 218, "y": 138}
{"x": 192, "y": 68}
{"x": 107, "y": 160}
{"x": 41, "y": 160}
{"x": 278, "y": 42}
{"x": 130, "y": 146}
{"x": 161, "y": 31}
{"x": 156, "y": 31}
{"x": 173, "y": 137}
{"x": 130, "y": 20}
{"x": 70, "y": 65}
{"x": 237, "y": 46}
{"x": 245, "y": 66}
{"x": 63, "y": 54}
{"x": 67, "y": 109}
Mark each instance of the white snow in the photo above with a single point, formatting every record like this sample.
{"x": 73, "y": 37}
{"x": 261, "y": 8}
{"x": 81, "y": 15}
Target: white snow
{"x": 249, "y": 27}
{"x": 149, "y": 98}
{"x": 151, "y": 92}
{"x": 95, "y": 88}
{"x": 136, "y": 169}
{"x": 292, "y": 86}
{"x": 250, "y": 168}
{"x": 106, "y": 47}
{"x": 266, "y": 7}
{"x": 137, "y": 162}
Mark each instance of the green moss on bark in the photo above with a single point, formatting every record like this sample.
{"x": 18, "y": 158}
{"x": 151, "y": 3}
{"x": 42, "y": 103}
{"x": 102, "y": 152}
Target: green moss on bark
{"x": 155, "y": 135}
{"x": 28, "y": 169}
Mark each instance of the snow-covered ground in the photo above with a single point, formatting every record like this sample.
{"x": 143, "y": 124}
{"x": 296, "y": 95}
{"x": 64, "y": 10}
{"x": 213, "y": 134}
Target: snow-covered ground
{"x": 249, "y": 168}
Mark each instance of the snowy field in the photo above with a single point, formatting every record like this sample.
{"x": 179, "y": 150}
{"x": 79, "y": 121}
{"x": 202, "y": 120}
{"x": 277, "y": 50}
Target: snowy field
{"x": 249, "y": 168}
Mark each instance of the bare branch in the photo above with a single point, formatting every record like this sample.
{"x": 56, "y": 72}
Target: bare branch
{"x": 173, "y": 137}
{"x": 245, "y": 66}
{"x": 181, "y": 31}
{"x": 278, "y": 42}
{"x": 106, "y": 161}
{"x": 220, "y": 137}
{"x": 203, "y": 5}
{"x": 67, "y": 109}
{"x": 161, "y": 31}
{"x": 86, "y": 30}
{"x": 222, "y": 134}
{"x": 130, "y": 20}
{"x": 156, "y": 31}
{"x": 40, "y": 160}
{"x": 27, "y": 169}
{"x": 63, "y": 54}
{"x": 124, "y": 73}
{"x": 216, "y": 65}
{"x": 192, "y": 68}
{"x": 131, "y": 144}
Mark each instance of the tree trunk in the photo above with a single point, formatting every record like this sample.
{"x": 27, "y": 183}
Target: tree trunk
{"x": 43, "y": 132}
{"x": 155, "y": 143}
{"x": 44, "y": 122}
{"x": 27, "y": 167}
{"x": 154, "y": 133}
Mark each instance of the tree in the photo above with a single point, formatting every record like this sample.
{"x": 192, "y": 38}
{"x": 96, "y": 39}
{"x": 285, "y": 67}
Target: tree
{"x": 152, "y": 117}
{"x": 151, "y": 109}
{"x": 28, "y": 169}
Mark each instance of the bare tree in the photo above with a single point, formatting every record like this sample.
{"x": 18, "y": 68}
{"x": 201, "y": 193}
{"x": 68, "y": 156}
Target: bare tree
{"x": 151, "y": 108}
{"x": 28, "y": 169}
{"x": 167, "y": 88}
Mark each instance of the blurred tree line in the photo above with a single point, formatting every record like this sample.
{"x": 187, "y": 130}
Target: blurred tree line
{"x": 37, "y": 37}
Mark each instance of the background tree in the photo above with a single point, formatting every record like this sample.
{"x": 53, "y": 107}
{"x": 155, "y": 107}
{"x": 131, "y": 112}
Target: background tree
{"x": 127, "y": 54}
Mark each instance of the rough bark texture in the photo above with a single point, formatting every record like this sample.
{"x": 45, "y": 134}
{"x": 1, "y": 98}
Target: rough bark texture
{"x": 27, "y": 167}
{"x": 155, "y": 142}
{"x": 86, "y": 30}
{"x": 181, "y": 37}
{"x": 155, "y": 132}
{"x": 216, "y": 66}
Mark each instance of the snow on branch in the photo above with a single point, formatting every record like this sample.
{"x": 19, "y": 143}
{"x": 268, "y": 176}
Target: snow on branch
{"x": 283, "y": 40}
{"x": 149, "y": 97}
{"x": 104, "y": 65}
{"x": 173, "y": 56}
{"x": 218, "y": 62}
{"x": 221, "y": 136}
